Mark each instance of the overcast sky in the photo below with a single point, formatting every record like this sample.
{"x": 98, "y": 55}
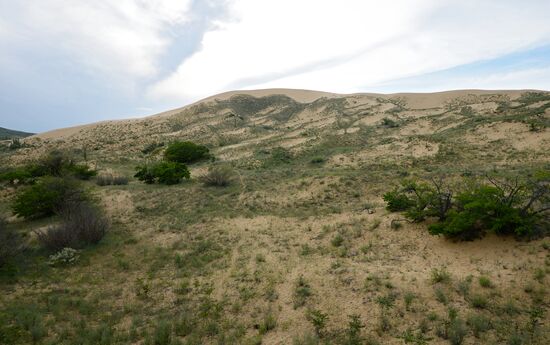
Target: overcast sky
{"x": 68, "y": 62}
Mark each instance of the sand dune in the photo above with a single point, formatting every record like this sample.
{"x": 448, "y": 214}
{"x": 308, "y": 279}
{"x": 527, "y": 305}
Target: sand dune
{"x": 414, "y": 101}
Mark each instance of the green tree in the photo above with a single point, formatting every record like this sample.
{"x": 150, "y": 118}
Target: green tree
{"x": 185, "y": 152}
{"x": 46, "y": 197}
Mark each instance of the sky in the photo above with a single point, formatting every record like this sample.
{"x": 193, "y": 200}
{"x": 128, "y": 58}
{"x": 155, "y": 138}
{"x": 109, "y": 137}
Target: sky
{"x": 70, "y": 62}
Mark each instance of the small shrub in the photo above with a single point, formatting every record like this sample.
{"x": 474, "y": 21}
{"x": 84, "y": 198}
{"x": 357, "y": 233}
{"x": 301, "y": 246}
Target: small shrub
{"x": 479, "y": 324}
{"x": 10, "y": 243}
{"x": 463, "y": 287}
{"x": 106, "y": 179}
{"x": 440, "y": 275}
{"x": 268, "y": 323}
{"x": 81, "y": 171}
{"x": 302, "y": 292}
{"x": 163, "y": 333}
{"x": 185, "y": 152}
{"x": 387, "y": 301}
{"x": 317, "y": 160}
{"x": 218, "y": 176}
{"x": 485, "y": 282}
{"x": 163, "y": 172}
{"x": 82, "y": 224}
{"x": 479, "y": 301}
{"x": 66, "y": 256}
{"x": 353, "y": 332}
{"x": 338, "y": 240}
{"x": 384, "y": 323}
{"x": 318, "y": 319}
{"x": 441, "y": 297}
{"x": 46, "y": 197}
{"x": 397, "y": 201}
{"x": 387, "y": 122}
{"x": 408, "y": 298}
{"x": 280, "y": 155}
{"x": 457, "y": 331}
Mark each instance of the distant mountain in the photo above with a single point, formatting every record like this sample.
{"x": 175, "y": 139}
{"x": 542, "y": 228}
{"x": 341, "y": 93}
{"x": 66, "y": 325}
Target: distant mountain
{"x": 10, "y": 134}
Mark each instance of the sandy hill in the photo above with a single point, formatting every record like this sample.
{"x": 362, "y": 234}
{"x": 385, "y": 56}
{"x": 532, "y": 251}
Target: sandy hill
{"x": 300, "y": 248}
{"x": 234, "y": 123}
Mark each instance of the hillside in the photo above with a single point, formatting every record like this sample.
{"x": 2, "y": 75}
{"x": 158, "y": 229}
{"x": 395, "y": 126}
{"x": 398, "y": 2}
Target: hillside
{"x": 10, "y": 134}
{"x": 302, "y": 228}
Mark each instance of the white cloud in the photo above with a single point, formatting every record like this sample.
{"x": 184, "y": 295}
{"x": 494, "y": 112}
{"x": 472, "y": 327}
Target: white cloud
{"x": 345, "y": 45}
{"x": 118, "y": 38}
{"x": 529, "y": 78}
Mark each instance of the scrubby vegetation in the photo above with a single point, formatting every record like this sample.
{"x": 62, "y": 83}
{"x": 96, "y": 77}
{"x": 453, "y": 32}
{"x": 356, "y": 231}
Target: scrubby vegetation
{"x": 81, "y": 224}
{"x": 218, "y": 176}
{"x": 501, "y": 206}
{"x": 46, "y": 197}
{"x": 186, "y": 152}
{"x": 298, "y": 247}
{"x": 107, "y": 179}
{"x": 55, "y": 163}
{"x": 11, "y": 243}
{"x": 162, "y": 172}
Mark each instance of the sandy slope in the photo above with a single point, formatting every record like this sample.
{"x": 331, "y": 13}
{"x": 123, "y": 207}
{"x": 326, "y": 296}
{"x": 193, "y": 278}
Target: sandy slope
{"x": 414, "y": 101}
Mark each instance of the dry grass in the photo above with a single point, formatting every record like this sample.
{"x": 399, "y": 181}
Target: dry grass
{"x": 249, "y": 262}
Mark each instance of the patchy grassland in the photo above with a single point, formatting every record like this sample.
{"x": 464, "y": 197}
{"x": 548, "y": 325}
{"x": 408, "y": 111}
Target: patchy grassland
{"x": 299, "y": 249}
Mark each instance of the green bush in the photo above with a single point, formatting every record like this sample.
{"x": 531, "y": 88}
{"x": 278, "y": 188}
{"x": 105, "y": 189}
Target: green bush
{"x": 483, "y": 209}
{"x": 46, "y": 197}
{"x": 502, "y": 207}
{"x": 397, "y": 201}
{"x": 16, "y": 176}
{"x": 163, "y": 172}
{"x": 81, "y": 171}
{"x": 55, "y": 163}
{"x": 387, "y": 122}
{"x": 185, "y": 152}
{"x": 145, "y": 173}
{"x": 280, "y": 155}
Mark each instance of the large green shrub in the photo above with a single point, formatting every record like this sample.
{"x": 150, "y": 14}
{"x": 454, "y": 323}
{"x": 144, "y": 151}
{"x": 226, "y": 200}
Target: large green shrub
{"x": 397, "y": 201}
{"x": 163, "y": 172}
{"x": 46, "y": 197}
{"x": 185, "y": 152}
{"x": 501, "y": 207}
{"x": 483, "y": 209}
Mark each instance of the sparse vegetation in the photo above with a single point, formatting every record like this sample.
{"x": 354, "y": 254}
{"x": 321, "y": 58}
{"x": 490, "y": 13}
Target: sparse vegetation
{"x": 503, "y": 207}
{"x": 82, "y": 224}
{"x": 298, "y": 248}
{"x": 107, "y": 179}
{"x": 218, "y": 176}
{"x": 11, "y": 243}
